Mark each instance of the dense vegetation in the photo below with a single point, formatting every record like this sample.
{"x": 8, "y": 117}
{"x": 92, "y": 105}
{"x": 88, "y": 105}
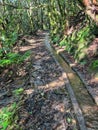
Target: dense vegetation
{"x": 68, "y": 22}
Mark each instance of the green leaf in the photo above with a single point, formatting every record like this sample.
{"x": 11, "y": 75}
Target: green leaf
{"x": 69, "y": 120}
{"x": 5, "y": 125}
{"x": 18, "y": 91}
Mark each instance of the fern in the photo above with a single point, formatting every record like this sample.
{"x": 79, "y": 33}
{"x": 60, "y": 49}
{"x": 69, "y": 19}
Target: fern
{"x": 6, "y": 116}
{"x": 14, "y": 58}
{"x": 94, "y": 64}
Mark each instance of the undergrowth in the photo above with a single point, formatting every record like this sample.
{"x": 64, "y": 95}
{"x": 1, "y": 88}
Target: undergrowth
{"x": 9, "y": 114}
{"x": 78, "y": 42}
{"x": 13, "y": 58}
{"x": 94, "y": 65}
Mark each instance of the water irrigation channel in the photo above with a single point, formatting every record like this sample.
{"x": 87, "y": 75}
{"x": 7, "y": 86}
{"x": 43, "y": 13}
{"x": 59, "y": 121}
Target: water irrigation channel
{"x": 84, "y": 106}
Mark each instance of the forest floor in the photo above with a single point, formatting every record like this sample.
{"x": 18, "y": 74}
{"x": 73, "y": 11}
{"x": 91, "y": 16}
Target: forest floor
{"x": 39, "y": 90}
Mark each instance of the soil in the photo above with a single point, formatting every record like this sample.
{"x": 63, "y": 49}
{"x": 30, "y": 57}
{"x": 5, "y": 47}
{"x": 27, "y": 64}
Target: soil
{"x": 46, "y": 102}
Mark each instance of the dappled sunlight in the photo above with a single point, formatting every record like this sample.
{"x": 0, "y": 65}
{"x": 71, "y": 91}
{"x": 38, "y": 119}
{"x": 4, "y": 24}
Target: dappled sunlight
{"x": 30, "y": 40}
{"x": 29, "y": 91}
{"x": 82, "y": 96}
{"x": 51, "y": 106}
{"x": 29, "y": 43}
{"x": 48, "y": 59}
{"x": 56, "y": 84}
{"x": 53, "y": 84}
{"x": 58, "y": 106}
{"x": 26, "y": 48}
{"x": 94, "y": 79}
{"x": 88, "y": 109}
{"x": 72, "y": 64}
{"x": 60, "y": 50}
{"x": 71, "y": 75}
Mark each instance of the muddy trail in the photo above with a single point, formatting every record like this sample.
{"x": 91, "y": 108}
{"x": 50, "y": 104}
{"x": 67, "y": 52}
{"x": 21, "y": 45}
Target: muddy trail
{"x": 47, "y": 103}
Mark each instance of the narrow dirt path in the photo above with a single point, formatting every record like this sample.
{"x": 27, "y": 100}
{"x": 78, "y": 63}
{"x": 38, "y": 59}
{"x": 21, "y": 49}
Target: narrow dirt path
{"x": 48, "y": 101}
{"x": 48, "y": 106}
